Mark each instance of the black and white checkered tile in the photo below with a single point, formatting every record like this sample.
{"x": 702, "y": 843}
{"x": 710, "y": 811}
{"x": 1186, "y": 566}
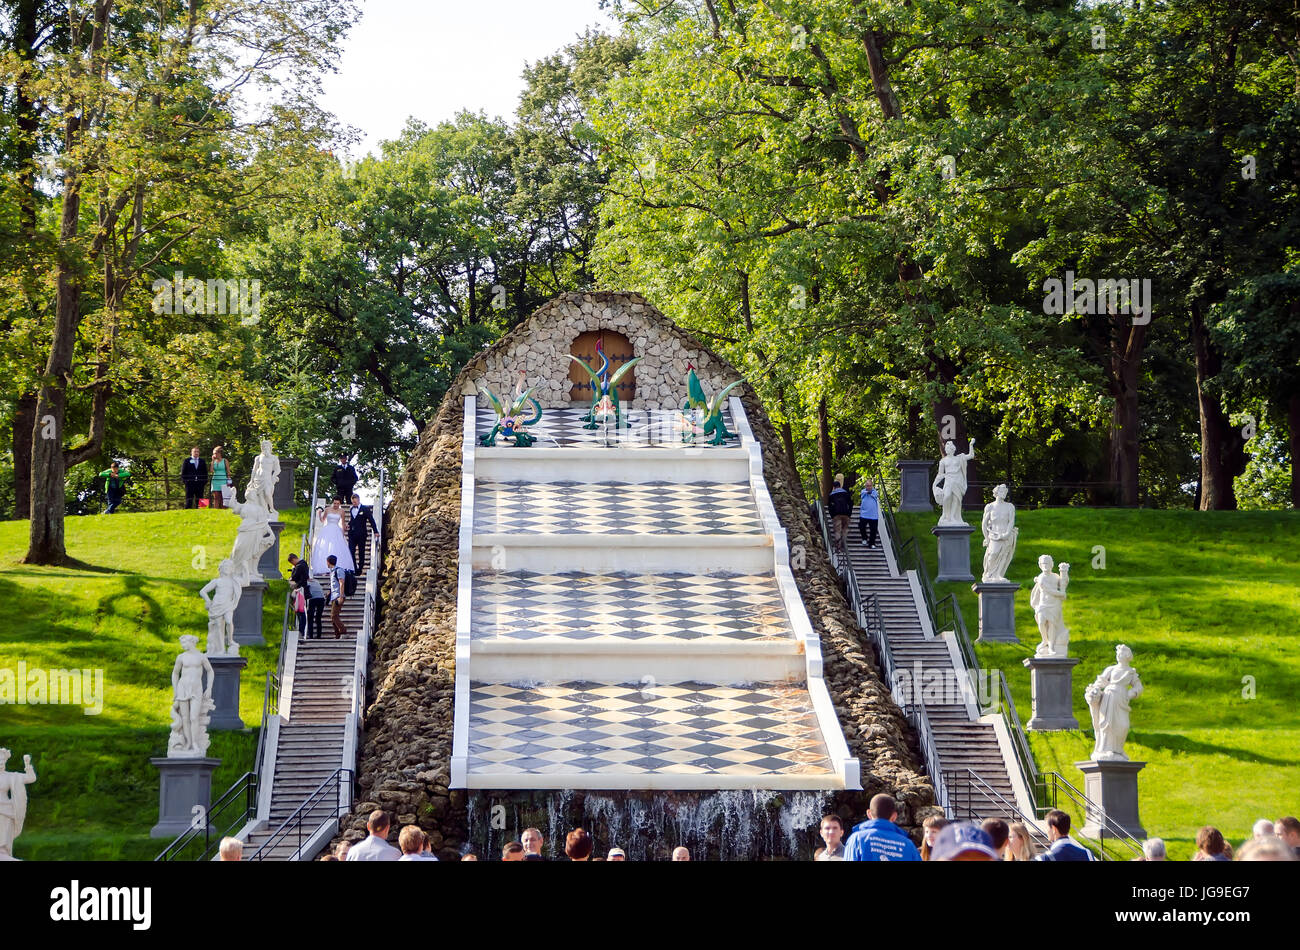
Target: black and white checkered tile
{"x": 642, "y": 607}
{"x": 681, "y": 729}
{"x": 642, "y": 428}
{"x": 614, "y": 508}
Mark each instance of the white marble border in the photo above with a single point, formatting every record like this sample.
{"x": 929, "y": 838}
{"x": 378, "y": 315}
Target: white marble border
{"x": 845, "y": 765}
{"x": 464, "y": 590}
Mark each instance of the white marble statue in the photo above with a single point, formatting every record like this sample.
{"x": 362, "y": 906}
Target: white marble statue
{"x": 254, "y": 538}
{"x": 1108, "y": 699}
{"x": 1048, "y": 601}
{"x": 13, "y": 802}
{"x": 950, "y": 482}
{"x": 262, "y": 479}
{"x": 1000, "y": 533}
{"x": 192, "y": 702}
{"x": 221, "y": 595}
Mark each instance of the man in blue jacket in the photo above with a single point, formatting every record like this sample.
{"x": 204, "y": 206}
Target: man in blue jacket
{"x": 1063, "y": 847}
{"x": 869, "y": 515}
{"x": 878, "y": 838}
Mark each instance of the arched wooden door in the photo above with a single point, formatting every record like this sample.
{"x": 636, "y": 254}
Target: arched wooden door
{"x": 617, "y": 349}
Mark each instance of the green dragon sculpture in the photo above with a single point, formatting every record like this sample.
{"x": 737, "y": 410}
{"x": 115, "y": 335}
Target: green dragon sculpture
{"x": 605, "y": 401}
{"x": 713, "y": 422}
{"x": 510, "y": 421}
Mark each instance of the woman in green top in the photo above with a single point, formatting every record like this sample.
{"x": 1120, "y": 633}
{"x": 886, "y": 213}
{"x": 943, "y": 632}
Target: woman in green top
{"x": 220, "y": 476}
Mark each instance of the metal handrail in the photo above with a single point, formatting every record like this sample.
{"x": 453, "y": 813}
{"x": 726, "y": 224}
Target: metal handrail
{"x": 976, "y": 782}
{"x": 246, "y": 786}
{"x": 295, "y": 821}
{"x": 930, "y": 753}
{"x": 1019, "y": 741}
{"x": 949, "y": 610}
{"x": 270, "y": 707}
{"x": 1055, "y": 780}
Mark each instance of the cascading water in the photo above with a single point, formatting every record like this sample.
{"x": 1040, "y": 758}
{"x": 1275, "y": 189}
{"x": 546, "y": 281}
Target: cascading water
{"x": 730, "y": 825}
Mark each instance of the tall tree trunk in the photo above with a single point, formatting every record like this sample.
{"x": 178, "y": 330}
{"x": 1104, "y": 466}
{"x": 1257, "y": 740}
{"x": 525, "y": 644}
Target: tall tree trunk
{"x": 1223, "y": 450}
{"x": 1126, "y": 344}
{"x": 787, "y": 436}
{"x": 824, "y": 448}
{"x": 24, "y": 423}
{"x": 1293, "y": 424}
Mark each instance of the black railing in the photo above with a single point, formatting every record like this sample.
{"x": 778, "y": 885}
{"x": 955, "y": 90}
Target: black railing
{"x": 227, "y": 815}
{"x": 974, "y": 798}
{"x": 1056, "y": 788}
{"x": 322, "y": 806}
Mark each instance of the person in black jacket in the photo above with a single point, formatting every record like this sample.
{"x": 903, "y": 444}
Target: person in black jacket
{"x": 840, "y": 504}
{"x": 344, "y": 479}
{"x": 359, "y": 516}
{"x": 194, "y": 473}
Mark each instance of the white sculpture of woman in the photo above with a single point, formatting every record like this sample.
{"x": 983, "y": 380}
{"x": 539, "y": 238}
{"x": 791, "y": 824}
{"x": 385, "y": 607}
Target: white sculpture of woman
{"x": 254, "y": 538}
{"x": 1000, "y": 533}
{"x": 262, "y": 480}
{"x": 221, "y": 595}
{"x": 192, "y": 703}
{"x": 950, "y": 482}
{"x": 1048, "y": 601}
{"x": 1108, "y": 699}
{"x": 13, "y": 803}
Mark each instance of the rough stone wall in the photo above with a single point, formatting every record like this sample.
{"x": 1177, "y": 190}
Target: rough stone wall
{"x": 541, "y": 347}
{"x": 406, "y": 752}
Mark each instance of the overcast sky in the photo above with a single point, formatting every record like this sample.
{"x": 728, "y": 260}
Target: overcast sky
{"x": 432, "y": 58}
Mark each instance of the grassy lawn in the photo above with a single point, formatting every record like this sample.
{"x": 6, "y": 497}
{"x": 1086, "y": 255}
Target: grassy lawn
{"x": 96, "y": 794}
{"x": 1210, "y": 604}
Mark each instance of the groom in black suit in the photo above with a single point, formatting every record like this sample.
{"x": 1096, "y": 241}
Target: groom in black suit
{"x": 194, "y": 473}
{"x": 359, "y": 516}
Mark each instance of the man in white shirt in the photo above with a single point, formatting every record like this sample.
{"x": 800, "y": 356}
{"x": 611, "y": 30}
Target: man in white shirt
{"x": 376, "y": 847}
{"x": 412, "y": 840}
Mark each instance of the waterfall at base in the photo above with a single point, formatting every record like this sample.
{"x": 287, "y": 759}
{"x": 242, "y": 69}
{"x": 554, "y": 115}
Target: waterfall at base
{"x": 716, "y": 826}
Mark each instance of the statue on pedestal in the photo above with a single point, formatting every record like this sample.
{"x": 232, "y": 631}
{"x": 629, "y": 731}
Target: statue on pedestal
{"x": 262, "y": 478}
{"x": 221, "y": 595}
{"x": 254, "y": 538}
{"x": 13, "y": 802}
{"x": 1048, "y": 601}
{"x": 950, "y": 482}
{"x": 1108, "y": 699}
{"x": 1000, "y": 533}
{"x": 192, "y": 702}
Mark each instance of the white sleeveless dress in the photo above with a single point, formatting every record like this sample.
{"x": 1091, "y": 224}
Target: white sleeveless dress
{"x": 330, "y": 540}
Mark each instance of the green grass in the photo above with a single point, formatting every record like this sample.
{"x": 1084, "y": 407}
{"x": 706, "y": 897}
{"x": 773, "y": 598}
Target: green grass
{"x": 96, "y": 794}
{"x": 1210, "y": 604}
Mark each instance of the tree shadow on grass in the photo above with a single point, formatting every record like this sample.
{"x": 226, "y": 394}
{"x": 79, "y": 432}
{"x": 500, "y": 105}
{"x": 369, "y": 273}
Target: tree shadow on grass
{"x": 1170, "y": 742}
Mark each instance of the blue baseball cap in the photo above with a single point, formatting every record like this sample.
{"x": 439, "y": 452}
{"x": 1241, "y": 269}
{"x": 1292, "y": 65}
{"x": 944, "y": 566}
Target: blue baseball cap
{"x": 963, "y": 838}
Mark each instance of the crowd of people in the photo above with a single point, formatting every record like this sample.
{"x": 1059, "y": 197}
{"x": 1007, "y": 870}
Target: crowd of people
{"x": 878, "y": 838}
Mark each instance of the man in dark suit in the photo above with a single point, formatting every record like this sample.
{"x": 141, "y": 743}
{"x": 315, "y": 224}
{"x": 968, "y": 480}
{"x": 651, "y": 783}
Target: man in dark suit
{"x": 194, "y": 473}
{"x": 344, "y": 479}
{"x": 359, "y": 516}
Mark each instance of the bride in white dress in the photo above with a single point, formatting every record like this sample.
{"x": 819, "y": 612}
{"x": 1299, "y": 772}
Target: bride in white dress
{"x": 330, "y": 540}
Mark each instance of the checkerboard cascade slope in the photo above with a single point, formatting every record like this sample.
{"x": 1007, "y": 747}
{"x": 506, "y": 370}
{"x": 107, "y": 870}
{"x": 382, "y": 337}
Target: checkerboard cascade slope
{"x": 581, "y": 667}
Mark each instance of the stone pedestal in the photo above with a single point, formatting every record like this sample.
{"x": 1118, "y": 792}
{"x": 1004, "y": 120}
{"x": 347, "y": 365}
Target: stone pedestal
{"x": 283, "y": 497}
{"x": 997, "y": 610}
{"x": 914, "y": 493}
{"x": 248, "y": 615}
{"x": 1050, "y": 679}
{"x": 225, "y": 691}
{"x": 1113, "y": 787}
{"x": 954, "y": 552}
{"x": 269, "y": 563}
{"x": 186, "y": 783}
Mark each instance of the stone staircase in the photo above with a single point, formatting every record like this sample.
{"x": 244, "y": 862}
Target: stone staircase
{"x": 937, "y": 680}
{"x": 627, "y": 619}
{"x": 309, "y": 737}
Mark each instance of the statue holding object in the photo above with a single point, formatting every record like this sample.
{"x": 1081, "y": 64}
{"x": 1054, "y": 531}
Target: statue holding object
{"x": 950, "y": 482}
{"x": 511, "y": 423}
{"x": 221, "y": 595}
{"x": 254, "y": 537}
{"x": 604, "y": 404}
{"x": 262, "y": 479}
{"x": 13, "y": 802}
{"x": 713, "y": 423}
{"x": 1108, "y": 700}
{"x": 1048, "y": 601}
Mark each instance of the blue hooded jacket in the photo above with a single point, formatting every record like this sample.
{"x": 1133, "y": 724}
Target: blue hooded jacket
{"x": 879, "y": 839}
{"x": 870, "y": 507}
